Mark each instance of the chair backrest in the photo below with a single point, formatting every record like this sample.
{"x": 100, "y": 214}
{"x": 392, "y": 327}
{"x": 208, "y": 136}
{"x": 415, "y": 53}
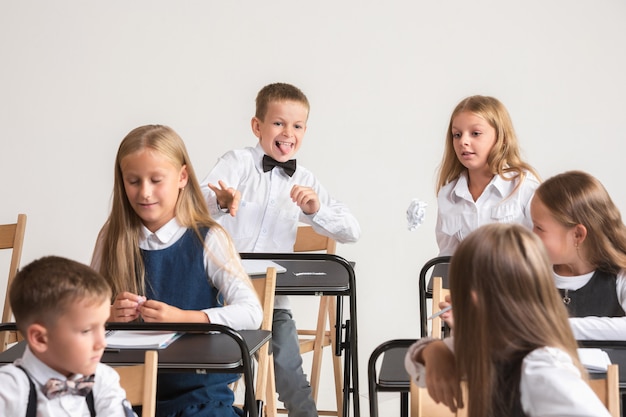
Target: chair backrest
{"x": 139, "y": 382}
{"x": 439, "y": 295}
{"x": 308, "y": 240}
{"x": 11, "y": 237}
{"x": 607, "y": 389}
{"x": 265, "y": 287}
{"x": 425, "y": 292}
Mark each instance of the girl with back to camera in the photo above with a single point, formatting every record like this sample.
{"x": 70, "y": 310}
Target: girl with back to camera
{"x": 168, "y": 261}
{"x": 482, "y": 178}
{"x": 585, "y": 237}
{"x": 512, "y": 341}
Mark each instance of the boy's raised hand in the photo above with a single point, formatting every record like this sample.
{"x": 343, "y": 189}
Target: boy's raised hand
{"x": 306, "y": 198}
{"x": 227, "y": 197}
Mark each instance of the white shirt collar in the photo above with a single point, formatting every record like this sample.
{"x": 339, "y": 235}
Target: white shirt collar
{"x": 497, "y": 183}
{"x": 162, "y": 238}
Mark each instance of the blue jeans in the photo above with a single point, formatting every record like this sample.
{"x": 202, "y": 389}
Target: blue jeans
{"x": 292, "y": 385}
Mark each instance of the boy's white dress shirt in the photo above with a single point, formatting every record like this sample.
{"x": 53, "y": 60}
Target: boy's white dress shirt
{"x": 267, "y": 218}
{"x": 458, "y": 214}
{"x": 15, "y": 388}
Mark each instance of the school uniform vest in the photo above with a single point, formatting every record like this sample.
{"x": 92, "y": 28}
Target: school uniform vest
{"x": 177, "y": 276}
{"x": 596, "y": 298}
{"x": 508, "y": 377}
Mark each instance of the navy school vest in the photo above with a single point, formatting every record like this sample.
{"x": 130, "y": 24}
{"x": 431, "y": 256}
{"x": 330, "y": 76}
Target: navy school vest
{"x": 596, "y": 298}
{"x": 176, "y": 275}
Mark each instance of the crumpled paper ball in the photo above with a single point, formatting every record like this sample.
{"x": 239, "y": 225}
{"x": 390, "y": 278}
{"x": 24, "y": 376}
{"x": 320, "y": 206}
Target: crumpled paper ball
{"x": 415, "y": 214}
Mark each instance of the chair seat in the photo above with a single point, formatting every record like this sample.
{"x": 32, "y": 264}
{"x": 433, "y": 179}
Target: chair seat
{"x": 393, "y": 375}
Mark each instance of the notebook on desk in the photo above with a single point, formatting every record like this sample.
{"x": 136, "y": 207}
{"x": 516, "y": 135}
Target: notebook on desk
{"x": 140, "y": 339}
{"x": 259, "y": 266}
{"x": 594, "y": 359}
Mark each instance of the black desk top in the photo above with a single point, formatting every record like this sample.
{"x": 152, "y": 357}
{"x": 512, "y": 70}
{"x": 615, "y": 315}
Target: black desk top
{"x": 336, "y": 278}
{"x": 191, "y": 352}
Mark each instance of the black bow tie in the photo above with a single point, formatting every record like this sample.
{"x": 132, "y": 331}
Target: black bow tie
{"x": 288, "y": 166}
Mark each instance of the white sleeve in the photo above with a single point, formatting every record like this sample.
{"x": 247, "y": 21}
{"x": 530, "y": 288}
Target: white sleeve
{"x": 333, "y": 219}
{"x": 227, "y": 169}
{"x": 14, "y": 391}
{"x": 416, "y": 370}
{"x": 107, "y": 392}
{"x": 603, "y": 328}
{"x": 551, "y": 386}
{"x": 446, "y": 243}
{"x": 242, "y": 309}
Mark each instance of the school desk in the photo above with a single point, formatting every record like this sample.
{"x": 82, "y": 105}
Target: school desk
{"x": 223, "y": 350}
{"x": 616, "y": 349}
{"x": 312, "y": 274}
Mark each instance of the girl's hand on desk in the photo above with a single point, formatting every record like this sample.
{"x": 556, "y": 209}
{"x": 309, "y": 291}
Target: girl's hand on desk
{"x": 153, "y": 311}
{"x": 125, "y": 307}
{"x": 441, "y": 377}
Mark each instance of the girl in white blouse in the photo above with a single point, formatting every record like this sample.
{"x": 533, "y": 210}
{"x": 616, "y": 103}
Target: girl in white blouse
{"x": 482, "y": 177}
{"x": 512, "y": 341}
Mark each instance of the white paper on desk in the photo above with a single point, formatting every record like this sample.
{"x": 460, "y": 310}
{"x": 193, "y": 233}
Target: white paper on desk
{"x": 259, "y": 266}
{"x": 140, "y": 339}
{"x": 594, "y": 359}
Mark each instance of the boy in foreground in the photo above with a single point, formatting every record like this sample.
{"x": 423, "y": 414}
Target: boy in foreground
{"x": 60, "y": 308}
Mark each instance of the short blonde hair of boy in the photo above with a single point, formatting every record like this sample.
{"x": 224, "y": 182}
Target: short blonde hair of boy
{"x": 505, "y": 306}
{"x": 278, "y": 92}
{"x": 576, "y": 197}
{"x": 505, "y": 156}
{"x": 43, "y": 290}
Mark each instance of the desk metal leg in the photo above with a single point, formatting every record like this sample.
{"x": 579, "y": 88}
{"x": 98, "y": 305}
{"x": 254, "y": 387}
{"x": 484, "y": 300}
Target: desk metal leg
{"x": 354, "y": 352}
{"x": 347, "y": 365}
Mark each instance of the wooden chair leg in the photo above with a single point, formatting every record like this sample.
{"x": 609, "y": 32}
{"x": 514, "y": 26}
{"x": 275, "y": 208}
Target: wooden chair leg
{"x": 270, "y": 403}
{"x": 318, "y": 347}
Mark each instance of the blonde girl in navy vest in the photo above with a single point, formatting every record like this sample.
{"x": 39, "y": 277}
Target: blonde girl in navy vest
{"x": 167, "y": 260}
{"x": 585, "y": 236}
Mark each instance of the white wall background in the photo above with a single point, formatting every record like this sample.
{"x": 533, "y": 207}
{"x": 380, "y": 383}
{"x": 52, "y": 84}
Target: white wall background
{"x": 382, "y": 79}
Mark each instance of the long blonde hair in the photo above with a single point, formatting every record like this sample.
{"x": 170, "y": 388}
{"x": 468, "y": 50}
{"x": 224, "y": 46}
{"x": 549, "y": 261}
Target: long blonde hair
{"x": 504, "y": 157}
{"x": 576, "y": 197}
{"x": 122, "y": 264}
{"x": 505, "y": 305}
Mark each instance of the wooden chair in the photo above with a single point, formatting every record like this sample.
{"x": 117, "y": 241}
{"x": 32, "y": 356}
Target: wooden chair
{"x": 422, "y": 405}
{"x": 392, "y": 377}
{"x": 140, "y": 381}
{"x": 315, "y": 340}
{"x": 607, "y": 389}
{"x": 265, "y": 383}
{"x": 439, "y": 295}
{"x": 11, "y": 237}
